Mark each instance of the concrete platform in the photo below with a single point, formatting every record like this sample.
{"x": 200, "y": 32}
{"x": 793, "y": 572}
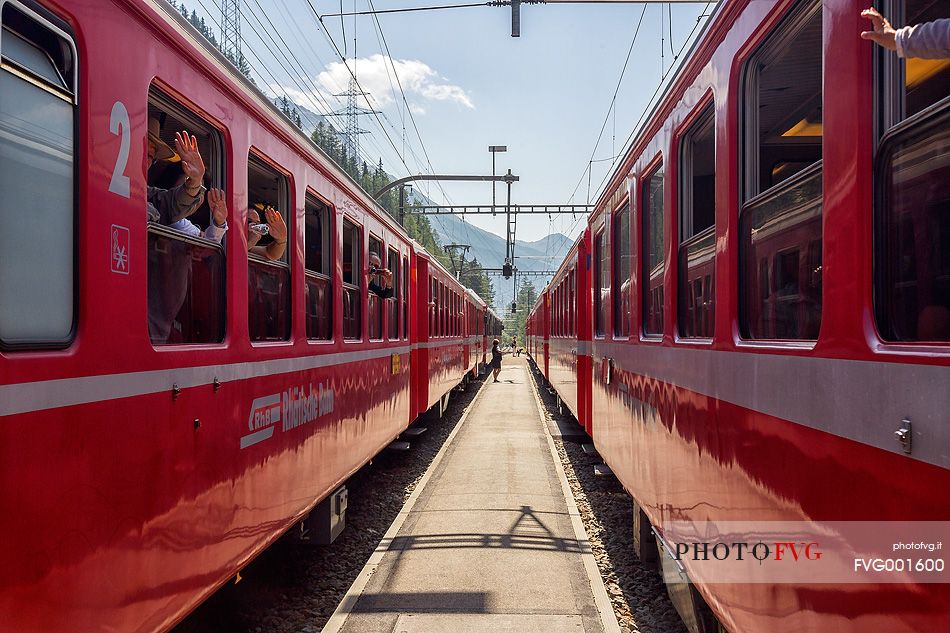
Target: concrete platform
{"x": 490, "y": 540}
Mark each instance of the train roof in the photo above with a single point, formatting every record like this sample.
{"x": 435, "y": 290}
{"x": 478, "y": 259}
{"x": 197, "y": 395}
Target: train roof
{"x": 474, "y": 295}
{"x": 242, "y": 84}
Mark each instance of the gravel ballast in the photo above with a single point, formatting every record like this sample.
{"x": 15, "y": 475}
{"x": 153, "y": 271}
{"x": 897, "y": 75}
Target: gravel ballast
{"x": 636, "y": 591}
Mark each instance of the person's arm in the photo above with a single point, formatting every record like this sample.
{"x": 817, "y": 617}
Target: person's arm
{"x": 187, "y": 227}
{"x": 167, "y": 206}
{"x": 215, "y": 233}
{"x": 219, "y": 216}
{"x": 930, "y": 40}
{"x": 382, "y": 292}
{"x": 192, "y": 164}
{"x": 278, "y": 232}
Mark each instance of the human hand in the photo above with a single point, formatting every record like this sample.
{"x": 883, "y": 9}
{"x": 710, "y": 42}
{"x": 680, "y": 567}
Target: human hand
{"x": 883, "y": 33}
{"x": 219, "y": 208}
{"x": 278, "y": 229}
{"x": 191, "y": 163}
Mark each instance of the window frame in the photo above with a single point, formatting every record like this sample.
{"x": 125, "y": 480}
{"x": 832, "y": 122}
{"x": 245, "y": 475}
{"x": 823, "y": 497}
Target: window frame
{"x": 329, "y": 257}
{"x": 285, "y": 204}
{"x": 906, "y": 130}
{"x": 751, "y": 195}
{"x": 779, "y": 36}
{"x": 216, "y": 169}
{"x": 394, "y": 308}
{"x": 621, "y": 320}
{"x": 655, "y": 167}
{"x": 702, "y": 120}
{"x": 357, "y": 275}
{"x": 598, "y": 244}
{"x": 370, "y": 239}
{"x": 61, "y": 29}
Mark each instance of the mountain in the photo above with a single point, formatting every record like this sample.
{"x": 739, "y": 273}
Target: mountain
{"x": 544, "y": 254}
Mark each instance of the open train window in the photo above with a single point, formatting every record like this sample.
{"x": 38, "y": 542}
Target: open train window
{"x": 374, "y": 302}
{"x": 782, "y": 208}
{"x": 392, "y": 309}
{"x": 697, "y": 252}
{"x": 319, "y": 285}
{"x": 352, "y": 280}
{"x": 404, "y": 297}
{"x": 908, "y": 86}
{"x": 912, "y": 230}
{"x": 186, "y": 264}
{"x": 268, "y": 230}
{"x": 654, "y": 252}
{"x": 38, "y": 111}
{"x": 601, "y": 276}
{"x": 621, "y": 264}
{"x": 433, "y": 306}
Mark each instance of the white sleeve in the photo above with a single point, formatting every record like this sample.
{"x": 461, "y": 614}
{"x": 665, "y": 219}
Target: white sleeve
{"x": 187, "y": 227}
{"x": 216, "y": 233}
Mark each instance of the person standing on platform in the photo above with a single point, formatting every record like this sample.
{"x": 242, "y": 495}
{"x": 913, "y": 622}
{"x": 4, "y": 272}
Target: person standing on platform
{"x": 495, "y": 359}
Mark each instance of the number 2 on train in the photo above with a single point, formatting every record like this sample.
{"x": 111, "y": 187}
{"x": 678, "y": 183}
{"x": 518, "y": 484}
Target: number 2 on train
{"x": 119, "y": 125}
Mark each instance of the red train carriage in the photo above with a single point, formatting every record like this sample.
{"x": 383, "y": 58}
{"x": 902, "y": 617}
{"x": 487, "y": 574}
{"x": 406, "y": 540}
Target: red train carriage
{"x": 534, "y": 330}
{"x": 540, "y": 334}
{"x": 475, "y": 317}
{"x": 771, "y": 302}
{"x": 441, "y": 355}
{"x": 494, "y": 327}
{"x": 171, "y": 404}
{"x": 568, "y": 345}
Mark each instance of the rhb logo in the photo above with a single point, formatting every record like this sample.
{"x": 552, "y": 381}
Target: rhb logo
{"x": 265, "y": 413}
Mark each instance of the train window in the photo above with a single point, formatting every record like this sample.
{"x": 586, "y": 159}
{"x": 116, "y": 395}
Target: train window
{"x": 572, "y": 291}
{"x": 908, "y": 86}
{"x": 783, "y": 102}
{"x": 443, "y": 310}
{"x": 404, "y": 297}
{"x": 600, "y": 279}
{"x": 433, "y": 306}
{"x": 375, "y": 302}
{"x": 268, "y": 274}
{"x": 37, "y": 177}
{"x": 319, "y": 287}
{"x": 654, "y": 253}
{"x": 186, "y": 265}
{"x": 781, "y": 218}
{"x": 352, "y": 280}
{"x": 698, "y": 176}
{"x": 912, "y": 230}
{"x": 392, "y": 303}
{"x": 697, "y": 252}
{"x": 621, "y": 263}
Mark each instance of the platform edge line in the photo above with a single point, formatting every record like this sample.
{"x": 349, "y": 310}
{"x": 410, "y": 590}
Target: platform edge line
{"x": 608, "y": 619}
{"x": 345, "y": 608}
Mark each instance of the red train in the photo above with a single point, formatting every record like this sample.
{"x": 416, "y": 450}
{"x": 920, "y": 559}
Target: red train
{"x": 755, "y": 324}
{"x": 170, "y": 404}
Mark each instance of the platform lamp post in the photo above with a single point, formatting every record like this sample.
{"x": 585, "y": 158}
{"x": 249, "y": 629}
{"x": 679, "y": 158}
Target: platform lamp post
{"x": 494, "y": 149}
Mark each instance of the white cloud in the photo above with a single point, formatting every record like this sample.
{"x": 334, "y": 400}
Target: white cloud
{"x": 375, "y": 75}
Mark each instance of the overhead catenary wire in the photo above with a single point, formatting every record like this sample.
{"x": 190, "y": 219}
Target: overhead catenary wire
{"x": 643, "y": 114}
{"x": 275, "y": 84}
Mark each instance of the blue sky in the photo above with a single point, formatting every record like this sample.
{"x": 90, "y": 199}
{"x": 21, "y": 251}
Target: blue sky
{"x": 469, "y": 85}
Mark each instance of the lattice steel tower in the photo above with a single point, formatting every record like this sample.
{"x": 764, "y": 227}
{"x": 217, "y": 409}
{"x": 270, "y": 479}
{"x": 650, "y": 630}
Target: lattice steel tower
{"x": 231, "y": 29}
{"x": 351, "y": 114}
